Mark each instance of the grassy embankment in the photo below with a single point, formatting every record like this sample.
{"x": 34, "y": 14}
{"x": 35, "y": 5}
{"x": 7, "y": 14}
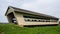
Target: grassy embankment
{"x": 13, "y": 29}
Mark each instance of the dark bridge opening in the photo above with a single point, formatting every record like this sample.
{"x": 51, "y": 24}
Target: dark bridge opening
{"x": 12, "y": 18}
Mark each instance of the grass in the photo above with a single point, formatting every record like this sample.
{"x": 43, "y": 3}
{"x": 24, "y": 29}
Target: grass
{"x": 13, "y": 29}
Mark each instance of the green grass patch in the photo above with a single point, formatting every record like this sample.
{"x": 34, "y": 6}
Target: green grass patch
{"x": 13, "y": 29}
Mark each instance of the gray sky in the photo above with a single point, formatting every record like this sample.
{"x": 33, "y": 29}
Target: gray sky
{"x": 49, "y": 7}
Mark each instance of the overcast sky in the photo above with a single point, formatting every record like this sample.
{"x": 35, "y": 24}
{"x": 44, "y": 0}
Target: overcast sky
{"x": 49, "y": 7}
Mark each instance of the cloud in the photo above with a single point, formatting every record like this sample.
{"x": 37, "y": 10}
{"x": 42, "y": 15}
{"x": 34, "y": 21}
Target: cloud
{"x": 50, "y": 7}
{"x": 43, "y": 6}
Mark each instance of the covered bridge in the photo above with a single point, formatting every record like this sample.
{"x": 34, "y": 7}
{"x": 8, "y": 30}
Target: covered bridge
{"x": 25, "y": 17}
